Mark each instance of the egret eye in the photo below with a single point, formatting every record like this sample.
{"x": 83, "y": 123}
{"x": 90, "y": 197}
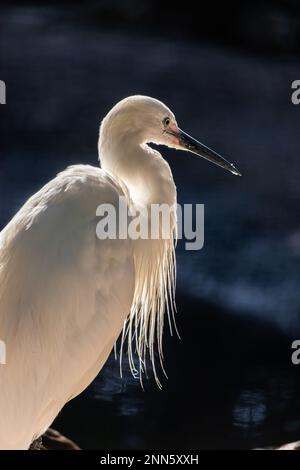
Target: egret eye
{"x": 166, "y": 121}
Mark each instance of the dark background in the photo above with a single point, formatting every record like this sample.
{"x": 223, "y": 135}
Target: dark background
{"x": 226, "y": 72}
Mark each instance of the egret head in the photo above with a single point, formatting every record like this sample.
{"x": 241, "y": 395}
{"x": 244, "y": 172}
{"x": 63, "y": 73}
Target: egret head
{"x": 142, "y": 119}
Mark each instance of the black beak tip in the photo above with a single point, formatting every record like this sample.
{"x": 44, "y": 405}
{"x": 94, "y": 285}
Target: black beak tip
{"x": 235, "y": 171}
{"x": 192, "y": 145}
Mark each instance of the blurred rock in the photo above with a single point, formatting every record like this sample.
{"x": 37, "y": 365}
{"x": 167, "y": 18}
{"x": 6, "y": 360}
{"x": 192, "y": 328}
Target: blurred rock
{"x": 53, "y": 440}
{"x": 291, "y": 446}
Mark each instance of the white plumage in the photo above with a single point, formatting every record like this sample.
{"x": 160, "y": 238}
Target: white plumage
{"x": 65, "y": 295}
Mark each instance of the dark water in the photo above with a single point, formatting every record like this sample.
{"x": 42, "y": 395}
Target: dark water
{"x": 231, "y": 382}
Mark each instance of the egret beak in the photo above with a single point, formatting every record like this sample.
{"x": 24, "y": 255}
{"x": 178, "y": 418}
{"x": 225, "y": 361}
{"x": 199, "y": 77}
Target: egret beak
{"x": 186, "y": 142}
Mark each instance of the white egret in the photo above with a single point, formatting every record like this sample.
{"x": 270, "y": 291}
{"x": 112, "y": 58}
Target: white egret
{"x": 65, "y": 295}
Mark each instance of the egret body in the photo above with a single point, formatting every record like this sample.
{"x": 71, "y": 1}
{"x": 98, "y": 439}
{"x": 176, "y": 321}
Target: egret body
{"x": 65, "y": 295}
